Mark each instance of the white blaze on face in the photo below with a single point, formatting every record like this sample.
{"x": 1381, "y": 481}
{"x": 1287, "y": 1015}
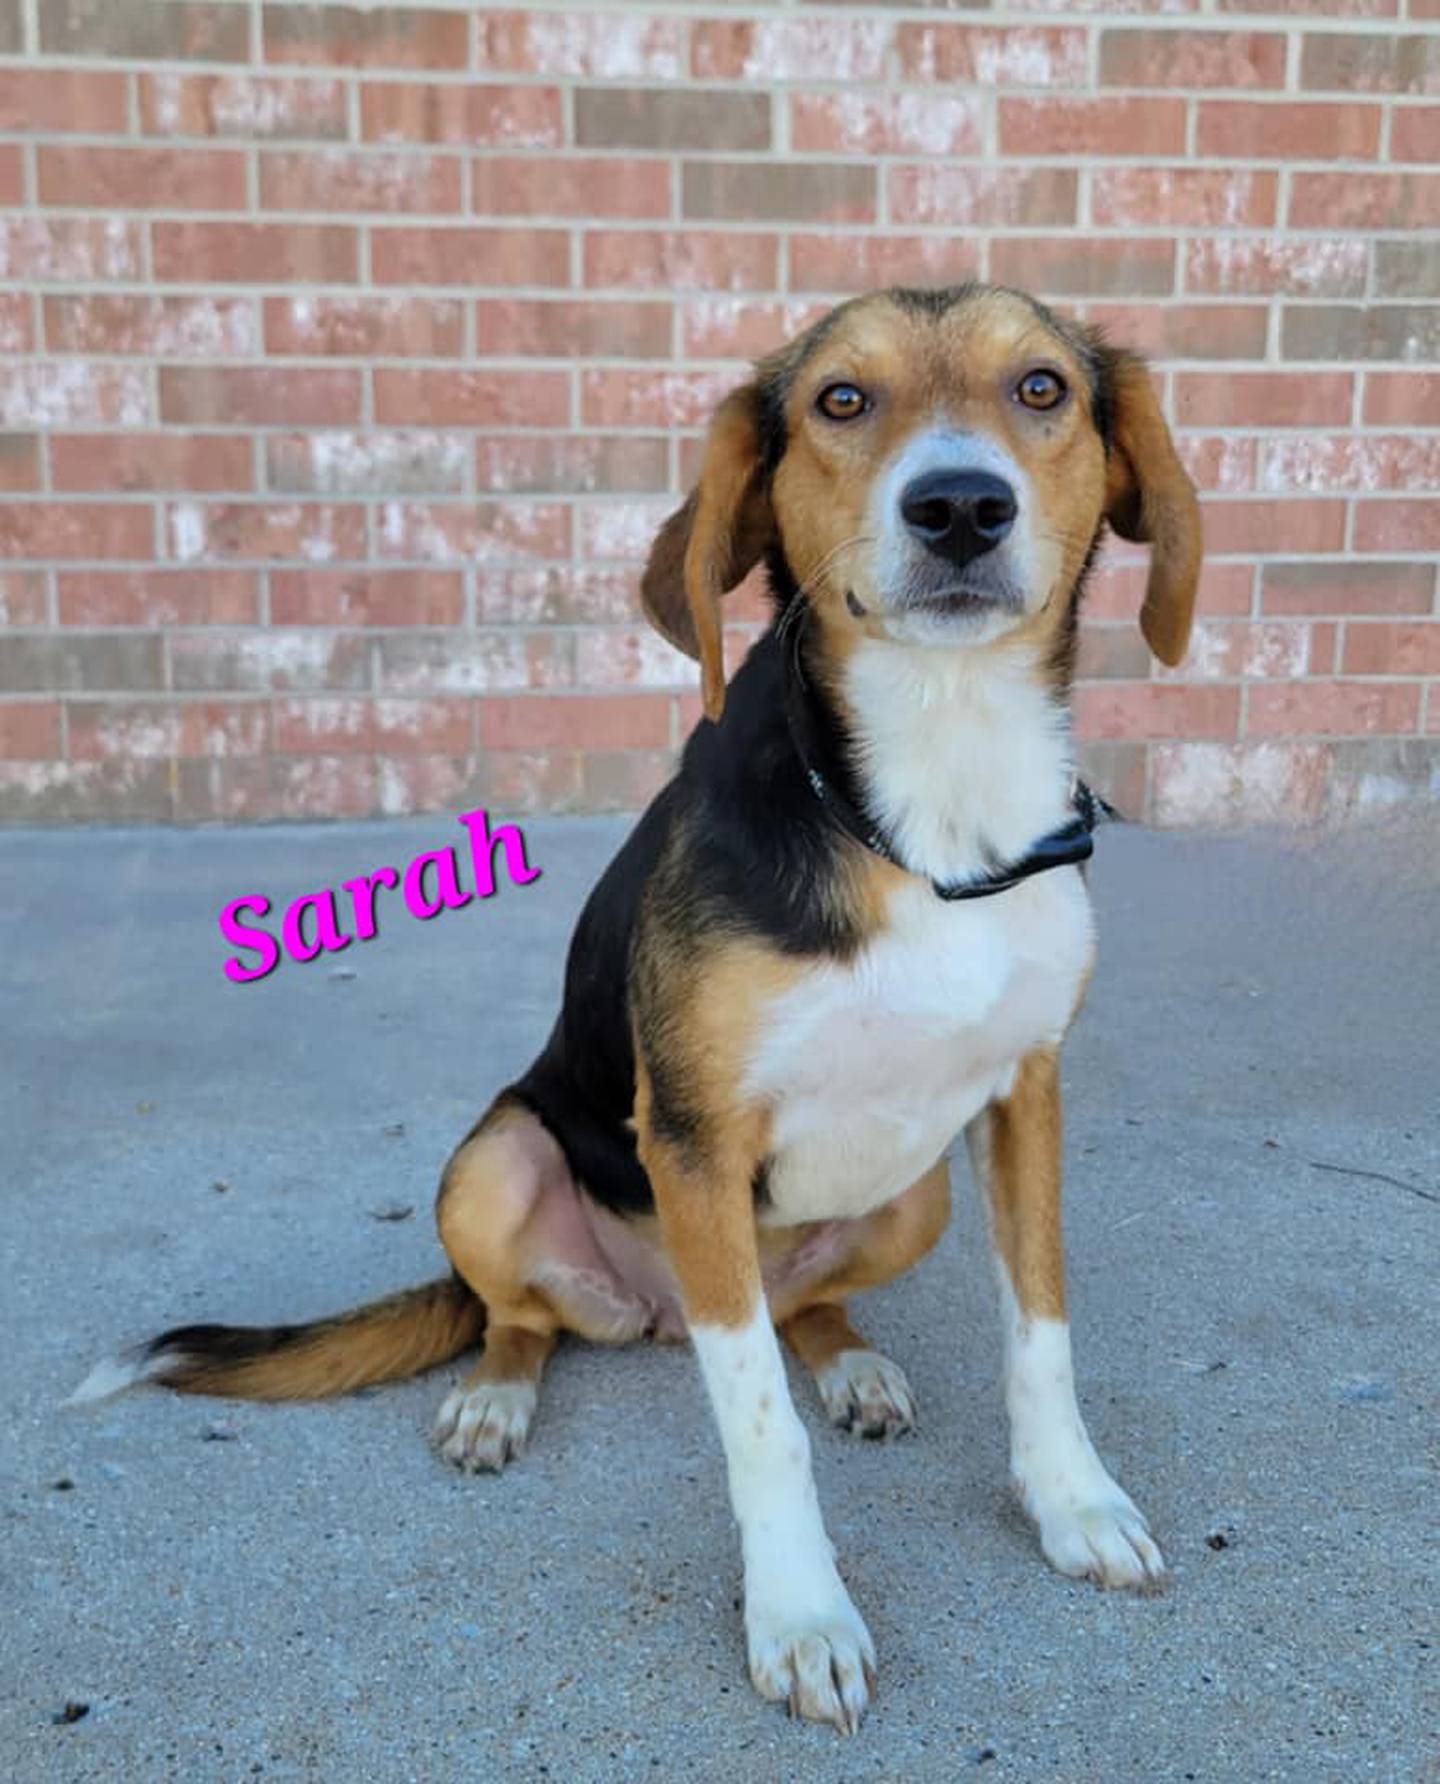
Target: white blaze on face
{"x": 1023, "y": 563}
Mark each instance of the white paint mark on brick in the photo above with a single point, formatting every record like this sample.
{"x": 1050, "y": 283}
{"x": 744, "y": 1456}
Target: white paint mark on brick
{"x": 187, "y": 532}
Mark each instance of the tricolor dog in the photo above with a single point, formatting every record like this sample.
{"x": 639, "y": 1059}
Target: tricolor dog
{"x": 853, "y": 925}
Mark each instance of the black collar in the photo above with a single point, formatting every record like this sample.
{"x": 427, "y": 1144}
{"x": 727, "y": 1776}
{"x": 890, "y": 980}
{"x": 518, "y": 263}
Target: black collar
{"x": 1063, "y": 847}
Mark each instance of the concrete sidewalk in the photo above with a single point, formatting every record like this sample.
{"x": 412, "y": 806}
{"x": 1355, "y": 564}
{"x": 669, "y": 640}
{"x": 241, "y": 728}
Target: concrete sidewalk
{"x": 306, "y": 1592}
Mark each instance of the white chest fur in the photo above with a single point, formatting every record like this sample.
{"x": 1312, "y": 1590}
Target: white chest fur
{"x": 873, "y": 1067}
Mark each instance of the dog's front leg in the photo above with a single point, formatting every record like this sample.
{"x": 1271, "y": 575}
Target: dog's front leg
{"x": 1088, "y": 1525}
{"x": 806, "y": 1641}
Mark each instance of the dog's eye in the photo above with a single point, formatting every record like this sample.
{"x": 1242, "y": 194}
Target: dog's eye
{"x": 842, "y": 402}
{"x": 1041, "y": 389}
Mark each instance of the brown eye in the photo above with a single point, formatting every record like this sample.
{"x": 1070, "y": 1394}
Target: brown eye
{"x": 842, "y": 402}
{"x": 1041, "y": 389}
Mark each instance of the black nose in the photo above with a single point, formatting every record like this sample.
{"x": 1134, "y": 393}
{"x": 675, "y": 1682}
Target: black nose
{"x": 959, "y": 515}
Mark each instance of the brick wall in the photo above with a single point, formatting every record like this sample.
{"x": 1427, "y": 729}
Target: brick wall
{"x": 353, "y": 353}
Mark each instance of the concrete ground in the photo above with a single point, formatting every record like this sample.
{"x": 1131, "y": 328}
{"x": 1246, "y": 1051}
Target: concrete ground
{"x": 307, "y": 1592}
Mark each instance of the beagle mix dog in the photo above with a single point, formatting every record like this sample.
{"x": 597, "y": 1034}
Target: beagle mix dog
{"x": 853, "y": 925}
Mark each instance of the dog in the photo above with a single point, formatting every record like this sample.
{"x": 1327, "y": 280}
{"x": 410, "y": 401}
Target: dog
{"x": 853, "y": 925}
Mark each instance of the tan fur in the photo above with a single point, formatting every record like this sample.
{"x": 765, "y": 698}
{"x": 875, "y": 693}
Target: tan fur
{"x": 385, "y": 1341}
{"x": 1016, "y": 1146}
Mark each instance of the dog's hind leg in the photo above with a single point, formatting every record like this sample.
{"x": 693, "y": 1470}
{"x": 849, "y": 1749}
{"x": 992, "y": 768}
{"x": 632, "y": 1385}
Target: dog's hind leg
{"x": 514, "y": 1223}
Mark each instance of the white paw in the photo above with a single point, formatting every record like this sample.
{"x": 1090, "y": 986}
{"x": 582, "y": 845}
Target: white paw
{"x": 867, "y": 1393}
{"x": 1091, "y": 1529}
{"x": 485, "y": 1426}
{"x": 819, "y": 1659}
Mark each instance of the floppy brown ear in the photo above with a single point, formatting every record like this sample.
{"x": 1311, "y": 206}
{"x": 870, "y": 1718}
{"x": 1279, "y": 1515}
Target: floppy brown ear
{"x": 711, "y": 543}
{"x": 1149, "y": 498}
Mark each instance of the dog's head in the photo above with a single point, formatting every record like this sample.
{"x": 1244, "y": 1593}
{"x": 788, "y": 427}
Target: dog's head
{"x": 930, "y": 467}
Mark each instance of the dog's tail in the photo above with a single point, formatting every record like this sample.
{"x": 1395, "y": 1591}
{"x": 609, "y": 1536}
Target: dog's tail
{"x": 384, "y": 1341}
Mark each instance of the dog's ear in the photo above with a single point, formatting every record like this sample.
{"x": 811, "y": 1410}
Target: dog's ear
{"x": 711, "y": 543}
{"x": 1149, "y": 498}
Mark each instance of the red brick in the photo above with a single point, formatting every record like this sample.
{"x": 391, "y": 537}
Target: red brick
{"x": 46, "y": 100}
{"x": 1112, "y": 653}
{"x": 1163, "y": 58}
{"x": 1362, "y": 331}
{"x": 1143, "y": 127}
{"x": 1242, "y": 130}
{"x": 570, "y": 329}
{"x": 631, "y": 657}
{"x": 347, "y": 723}
{"x": 252, "y": 789}
{"x": 132, "y": 179}
{"x": 981, "y": 196}
{"x": 651, "y": 399}
{"x": 1185, "y": 331}
{"x": 742, "y": 328}
{"x": 1412, "y": 526}
{"x": 256, "y": 253}
{"x": 483, "y": 532}
{"x": 587, "y": 722}
{"x": 158, "y": 597}
{"x": 486, "y": 117}
{"x": 1219, "y": 462}
{"x": 254, "y": 661}
{"x": 475, "y": 663}
{"x": 849, "y": 50}
{"x": 1072, "y": 267}
{"x": 1117, "y": 589}
{"x": 1367, "y": 201}
{"x": 263, "y": 531}
{"x": 159, "y": 462}
{"x": 450, "y": 256}
{"x": 524, "y": 781}
{"x": 1194, "y": 198}
{"x": 556, "y": 596}
{"x": 623, "y": 780}
{"x": 1156, "y": 709}
{"x": 17, "y": 322}
{"x": 1415, "y": 133}
{"x": 1229, "y": 650}
{"x": 365, "y": 327}
{"x": 845, "y": 263}
{"x": 578, "y": 464}
{"x": 257, "y": 395}
{"x": 366, "y": 36}
{"x": 331, "y": 463}
{"x": 366, "y": 598}
{"x": 620, "y": 531}
{"x": 991, "y": 56}
{"x": 153, "y": 327}
{"x": 73, "y": 250}
{"x": 1352, "y": 61}
{"x": 890, "y": 124}
{"x": 1392, "y": 648}
{"x": 1262, "y": 266}
{"x": 582, "y": 44}
{"x": 1333, "y": 709}
{"x": 687, "y": 260}
{"x": 1274, "y": 529}
{"x": 797, "y": 191}
{"x": 22, "y": 598}
{"x": 139, "y": 729}
{"x": 42, "y": 530}
{"x": 555, "y": 186}
{"x": 457, "y": 398}
{"x": 67, "y": 393}
{"x": 184, "y": 30}
{"x": 1358, "y": 462}
{"x": 1402, "y": 399}
{"x": 12, "y": 174}
{"x": 246, "y": 107}
{"x": 29, "y": 730}
{"x": 1270, "y": 782}
{"x": 1263, "y": 399}
{"x": 19, "y": 463}
{"x": 1347, "y": 588}
{"x": 358, "y": 180}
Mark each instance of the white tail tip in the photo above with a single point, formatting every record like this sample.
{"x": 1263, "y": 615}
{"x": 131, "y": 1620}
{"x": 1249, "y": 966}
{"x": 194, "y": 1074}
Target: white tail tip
{"x": 114, "y": 1375}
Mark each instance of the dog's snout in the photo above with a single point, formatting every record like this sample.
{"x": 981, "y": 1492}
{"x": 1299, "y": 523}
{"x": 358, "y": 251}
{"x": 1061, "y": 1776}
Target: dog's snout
{"x": 959, "y": 515}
